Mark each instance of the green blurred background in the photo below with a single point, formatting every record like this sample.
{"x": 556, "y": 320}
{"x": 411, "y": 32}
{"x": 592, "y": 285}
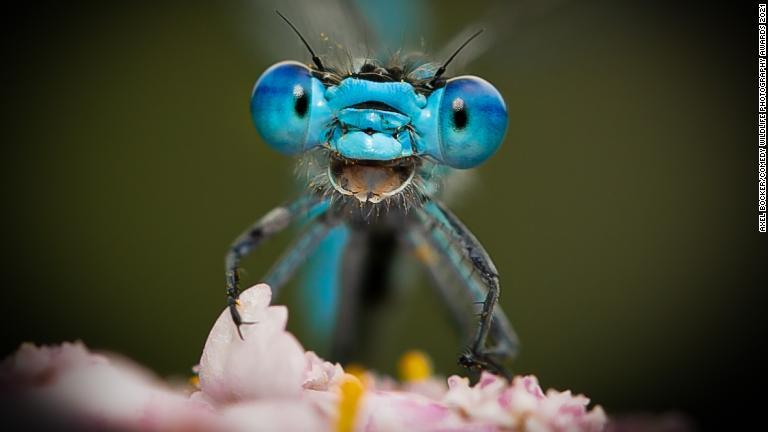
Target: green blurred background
{"x": 620, "y": 210}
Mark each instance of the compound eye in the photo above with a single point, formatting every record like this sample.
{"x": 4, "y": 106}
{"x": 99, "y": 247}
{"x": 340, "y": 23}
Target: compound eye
{"x": 280, "y": 106}
{"x": 472, "y": 121}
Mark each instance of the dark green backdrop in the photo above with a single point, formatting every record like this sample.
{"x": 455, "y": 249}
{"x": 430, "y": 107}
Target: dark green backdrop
{"x": 620, "y": 210}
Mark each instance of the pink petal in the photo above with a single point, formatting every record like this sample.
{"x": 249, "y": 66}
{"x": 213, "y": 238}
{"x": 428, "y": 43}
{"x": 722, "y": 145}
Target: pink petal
{"x": 73, "y": 387}
{"x": 320, "y": 374}
{"x": 268, "y": 362}
{"x": 274, "y": 415}
{"x": 401, "y": 411}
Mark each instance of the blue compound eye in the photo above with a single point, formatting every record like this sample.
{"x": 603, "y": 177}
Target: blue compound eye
{"x": 280, "y": 106}
{"x": 472, "y": 121}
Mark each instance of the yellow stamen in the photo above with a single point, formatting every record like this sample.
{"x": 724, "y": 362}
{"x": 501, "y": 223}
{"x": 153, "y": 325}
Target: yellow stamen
{"x": 194, "y": 381}
{"x": 414, "y": 366}
{"x": 350, "y": 392}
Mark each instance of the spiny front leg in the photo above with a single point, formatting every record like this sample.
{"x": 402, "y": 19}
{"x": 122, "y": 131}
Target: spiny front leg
{"x": 233, "y": 292}
{"x": 478, "y": 355}
{"x": 449, "y": 235}
{"x": 270, "y": 224}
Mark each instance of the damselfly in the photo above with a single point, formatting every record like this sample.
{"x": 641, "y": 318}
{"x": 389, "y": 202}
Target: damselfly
{"x": 376, "y": 138}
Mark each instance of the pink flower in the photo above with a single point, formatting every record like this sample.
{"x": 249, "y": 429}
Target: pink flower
{"x": 273, "y": 415}
{"x": 267, "y": 362}
{"x": 523, "y": 405}
{"x": 403, "y": 411}
{"x": 86, "y": 390}
{"x": 320, "y": 374}
{"x": 267, "y": 381}
{"x": 258, "y": 382}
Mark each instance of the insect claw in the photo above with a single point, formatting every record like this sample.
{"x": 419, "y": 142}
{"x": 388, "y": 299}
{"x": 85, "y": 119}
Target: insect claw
{"x": 237, "y": 319}
{"x": 472, "y": 359}
{"x": 240, "y": 333}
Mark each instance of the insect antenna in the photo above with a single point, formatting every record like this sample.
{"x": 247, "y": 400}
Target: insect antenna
{"x": 315, "y": 58}
{"x": 441, "y": 70}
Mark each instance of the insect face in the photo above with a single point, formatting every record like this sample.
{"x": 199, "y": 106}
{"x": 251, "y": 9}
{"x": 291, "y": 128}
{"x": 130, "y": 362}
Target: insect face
{"x": 376, "y": 130}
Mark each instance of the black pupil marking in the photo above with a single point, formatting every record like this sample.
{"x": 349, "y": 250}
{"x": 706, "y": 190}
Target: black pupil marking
{"x": 460, "y": 115}
{"x": 301, "y": 104}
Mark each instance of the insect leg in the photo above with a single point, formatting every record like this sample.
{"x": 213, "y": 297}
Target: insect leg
{"x": 270, "y": 224}
{"x": 457, "y": 283}
{"x": 296, "y": 255}
{"x": 448, "y": 236}
{"x": 446, "y": 278}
